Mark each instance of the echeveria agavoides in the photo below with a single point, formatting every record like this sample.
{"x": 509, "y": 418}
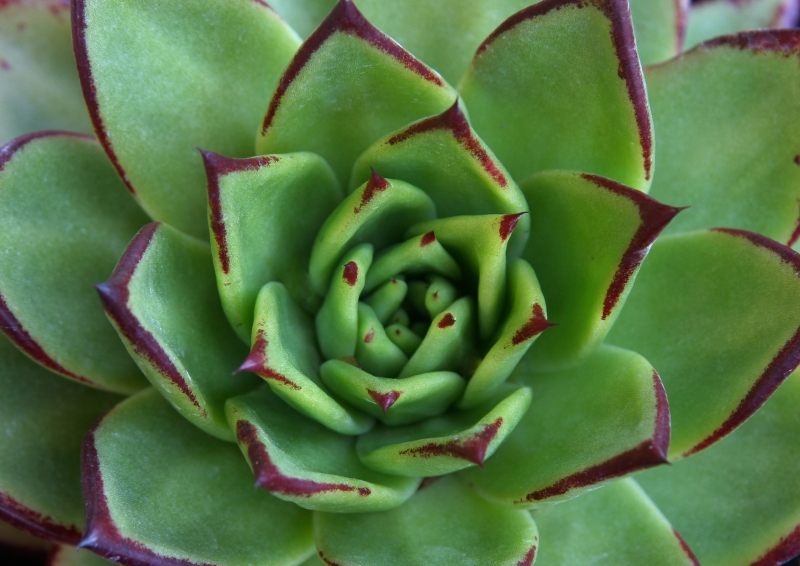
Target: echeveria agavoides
{"x": 421, "y": 270}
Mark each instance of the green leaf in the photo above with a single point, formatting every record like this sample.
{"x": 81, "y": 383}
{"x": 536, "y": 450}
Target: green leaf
{"x": 143, "y": 460}
{"x": 615, "y": 525}
{"x": 65, "y": 555}
{"x": 444, "y": 523}
{"x": 589, "y": 236}
{"x": 659, "y": 27}
{"x": 199, "y": 78}
{"x": 717, "y": 313}
{"x": 374, "y": 351}
{"x": 443, "y": 156}
{"x": 162, "y": 298}
{"x": 303, "y": 15}
{"x": 712, "y": 18}
{"x": 284, "y": 353}
{"x": 260, "y": 234}
{"x": 738, "y": 503}
{"x": 349, "y": 84}
{"x": 299, "y": 460}
{"x": 66, "y": 218}
{"x": 387, "y": 298}
{"x": 393, "y": 401}
{"x": 439, "y": 296}
{"x": 702, "y": 102}
{"x": 525, "y": 321}
{"x": 379, "y": 212}
{"x": 44, "y": 418}
{"x": 445, "y": 444}
{"x": 559, "y": 86}
{"x": 39, "y": 89}
{"x": 604, "y": 419}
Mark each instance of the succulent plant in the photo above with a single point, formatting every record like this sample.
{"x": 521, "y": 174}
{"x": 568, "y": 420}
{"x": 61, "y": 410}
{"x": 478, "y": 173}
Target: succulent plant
{"x": 411, "y": 316}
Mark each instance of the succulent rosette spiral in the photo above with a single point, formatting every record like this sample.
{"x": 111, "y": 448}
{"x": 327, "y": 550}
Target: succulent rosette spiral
{"x": 406, "y": 309}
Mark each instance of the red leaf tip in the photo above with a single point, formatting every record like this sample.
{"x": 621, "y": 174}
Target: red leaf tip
{"x": 508, "y": 223}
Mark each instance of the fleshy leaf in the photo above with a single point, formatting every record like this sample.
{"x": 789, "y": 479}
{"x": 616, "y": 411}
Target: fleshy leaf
{"x": 612, "y": 420}
{"x": 65, "y": 555}
{"x": 39, "y": 87}
{"x": 445, "y": 444}
{"x": 349, "y": 84}
{"x": 440, "y": 295}
{"x": 659, "y": 27}
{"x": 718, "y": 314}
{"x": 162, "y": 298}
{"x": 444, "y": 156}
{"x": 284, "y": 353}
{"x": 260, "y": 234}
{"x": 303, "y": 15}
{"x": 615, "y": 525}
{"x": 526, "y": 320}
{"x": 66, "y": 219}
{"x": 559, "y": 86}
{"x": 379, "y": 212}
{"x": 143, "y": 460}
{"x": 738, "y": 503}
{"x": 301, "y": 461}
{"x": 700, "y": 109}
{"x": 589, "y": 236}
{"x": 374, "y": 351}
{"x": 393, "y": 401}
{"x": 200, "y": 76}
{"x": 387, "y": 299}
{"x": 479, "y": 242}
{"x": 444, "y": 523}
{"x": 404, "y": 337}
{"x": 711, "y": 18}
{"x": 43, "y": 418}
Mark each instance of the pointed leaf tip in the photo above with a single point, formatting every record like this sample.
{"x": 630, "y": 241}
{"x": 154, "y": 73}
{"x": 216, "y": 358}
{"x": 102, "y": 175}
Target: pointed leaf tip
{"x": 384, "y": 400}
{"x": 472, "y": 448}
{"x": 537, "y": 324}
{"x": 508, "y": 224}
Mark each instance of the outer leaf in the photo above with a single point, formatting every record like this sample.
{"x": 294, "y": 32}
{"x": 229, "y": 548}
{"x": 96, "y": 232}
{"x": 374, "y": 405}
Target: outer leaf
{"x": 445, "y": 523}
{"x": 613, "y": 420}
{"x": 303, "y": 15}
{"x": 65, "y": 221}
{"x": 200, "y": 77}
{"x": 44, "y": 418}
{"x": 615, "y": 525}
{"x": 443, "y": 156}
{"x": 589, "y": 236}
{"x": 65, "y": 555}
{"x": 718, "y": 314}
{"x": 559, "y": 86}
{"x": 39, "y": 89}
{"x": 710, "y": 18}
{"x": 143, "y": 460}
{"x": 738, "y": 503}
{"x": 162, "y": 298}
{"x": 701, "y": 103}
{"x": 660, "y": 27}
{"x": 350, "y": 84}
{"x": 260, "y": 234}
{"x": 299, "y": 460}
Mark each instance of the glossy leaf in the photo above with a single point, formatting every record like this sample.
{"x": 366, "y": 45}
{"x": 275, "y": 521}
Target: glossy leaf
{"x": 284, "y": 353}
{"x": 162, "y": 298}
{"x": 752, "y": 181}
{"x": 66, "y": 219}
{"x": 260, "y": 234}
{"x": 444, "y": 523}
{"x": 559, "y": 86}
{"x": 717, "y": 313}
{"x": 445, "y": 444}
{"x": 612, "y": 420}
{"x": 659, "y": 27}
{"x": 393, "y": 401}
{"x": 349, "y": 84}
{"x": 143, "y": 460}
{"x": 444, "y": 157}
{"x": 712, "y": 18}
{"x": 39, "y": 87}
{"x": 589, "y": 237}
{"x": 615, "y": 525}
{"x": 44, "y": 418}
{"x": 738, "y": 503}
{"x": 200, "y": 78}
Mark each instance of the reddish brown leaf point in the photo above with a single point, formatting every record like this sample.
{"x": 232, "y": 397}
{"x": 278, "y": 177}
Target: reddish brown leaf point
{"x": 269, "y": 477}
{"x": 529, "y": 557}
{"x": 508, "y": 223}
{"x": 472, "y": 448}
{"x": 257, "y": 363}
{"x": 369, "y": 336}
{"x": 384, "y": 400}
{"x": 344, "y": 18}
{"x": 447, "y": 321}
{"x": 375, "y": 185}
{"x": 350, "y": 273}
{"x": 685, "y": 548}
{"x": 427, "y": 239}
{"x": 327, "y": 561}
{"x": 537, "y": 324}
